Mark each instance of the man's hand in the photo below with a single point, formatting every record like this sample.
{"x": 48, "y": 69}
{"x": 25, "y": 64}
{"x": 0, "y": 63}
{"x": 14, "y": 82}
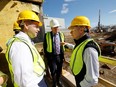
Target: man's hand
{"x": 63, "y": 43}
{"x": 1, "y": 80}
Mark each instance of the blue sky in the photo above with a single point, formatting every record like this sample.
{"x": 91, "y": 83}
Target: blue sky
{"x": 68, "y": 9}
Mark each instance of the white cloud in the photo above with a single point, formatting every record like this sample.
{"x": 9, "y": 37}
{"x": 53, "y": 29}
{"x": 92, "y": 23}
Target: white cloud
{"x": 112, "y": 11}
{"x": 64, "y": 9}
{"x": 69, "y": 0}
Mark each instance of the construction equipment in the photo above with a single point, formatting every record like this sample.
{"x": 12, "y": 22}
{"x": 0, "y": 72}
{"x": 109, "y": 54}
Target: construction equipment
{"x": 108, "y": 48}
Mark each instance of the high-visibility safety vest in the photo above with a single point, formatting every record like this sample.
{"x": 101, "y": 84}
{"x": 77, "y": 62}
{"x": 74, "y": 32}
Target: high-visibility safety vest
{"x": 49, "y": 41}
{"x": 38, "y": 62}
{"x": 76, "y": 61}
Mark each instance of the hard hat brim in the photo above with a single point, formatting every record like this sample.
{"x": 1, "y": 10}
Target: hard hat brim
{"x": 39, "y": 23}
{"x": 55, "y": 26}
{"x": 70, "y": 27}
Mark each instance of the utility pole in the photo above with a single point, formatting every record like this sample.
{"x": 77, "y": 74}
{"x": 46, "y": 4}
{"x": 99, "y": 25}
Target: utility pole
{"x": 99, "y": 27}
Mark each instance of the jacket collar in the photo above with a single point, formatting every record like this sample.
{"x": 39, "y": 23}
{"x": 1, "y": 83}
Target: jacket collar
{"x": 22, "y": 35}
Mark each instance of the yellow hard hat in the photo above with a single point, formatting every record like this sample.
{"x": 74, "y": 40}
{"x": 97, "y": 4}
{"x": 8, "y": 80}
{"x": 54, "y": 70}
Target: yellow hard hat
{"x": 29, "y": 15}
{"x": 80, "y": 21}
{"x": 16, "y": 26}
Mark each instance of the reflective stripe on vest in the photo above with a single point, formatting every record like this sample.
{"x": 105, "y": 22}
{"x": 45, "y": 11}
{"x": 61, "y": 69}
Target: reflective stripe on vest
{"x": 49, "y": 41}
{"x": 76, "y": 61}
{"x": 38, "y": 62}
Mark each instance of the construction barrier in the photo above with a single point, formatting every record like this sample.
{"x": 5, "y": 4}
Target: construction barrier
{"x": 107, "y": 60}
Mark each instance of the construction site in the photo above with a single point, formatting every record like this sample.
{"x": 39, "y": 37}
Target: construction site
{"x": 104, "y": 36}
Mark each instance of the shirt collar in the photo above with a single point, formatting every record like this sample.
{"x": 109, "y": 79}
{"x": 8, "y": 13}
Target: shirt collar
{"x": 24, "y": 36}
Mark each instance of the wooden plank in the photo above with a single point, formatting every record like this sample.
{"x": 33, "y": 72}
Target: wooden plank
{"x": 106, "y": 83}
{"x": 107, "y": 60}
{"x": 39, "y": 1}
{"x": 33, "y": 1}
{"x": 68, "y": 78}
{"x": 107, "y": 44}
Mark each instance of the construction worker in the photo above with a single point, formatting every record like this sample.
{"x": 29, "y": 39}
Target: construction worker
{"x": 3, "y": 76}
{"x": 1, "y": 49}
{"x": 84, "y": 59}
{"x": 54, "y": 52}
{"x": 3, "y": 79}
{"x": 25, "y": 63}
{"x": 16, "y": 28}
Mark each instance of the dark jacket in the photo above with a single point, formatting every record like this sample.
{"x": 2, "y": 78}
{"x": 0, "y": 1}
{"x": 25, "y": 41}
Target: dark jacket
{"x": 45, "y": 46}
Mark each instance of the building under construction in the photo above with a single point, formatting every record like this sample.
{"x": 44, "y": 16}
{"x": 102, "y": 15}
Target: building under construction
{"x": 9, "y": 10}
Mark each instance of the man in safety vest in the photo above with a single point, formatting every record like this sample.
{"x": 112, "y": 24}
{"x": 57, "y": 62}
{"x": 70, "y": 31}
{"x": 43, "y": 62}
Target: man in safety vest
{"x": 54, "y": 51}
{"x": 84, "y": 59}
{"x": 25, "y": 63}
{"x": 16, "y": 30}
{"x": 3, "y": 76}
{"x": 3, "y": 79}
